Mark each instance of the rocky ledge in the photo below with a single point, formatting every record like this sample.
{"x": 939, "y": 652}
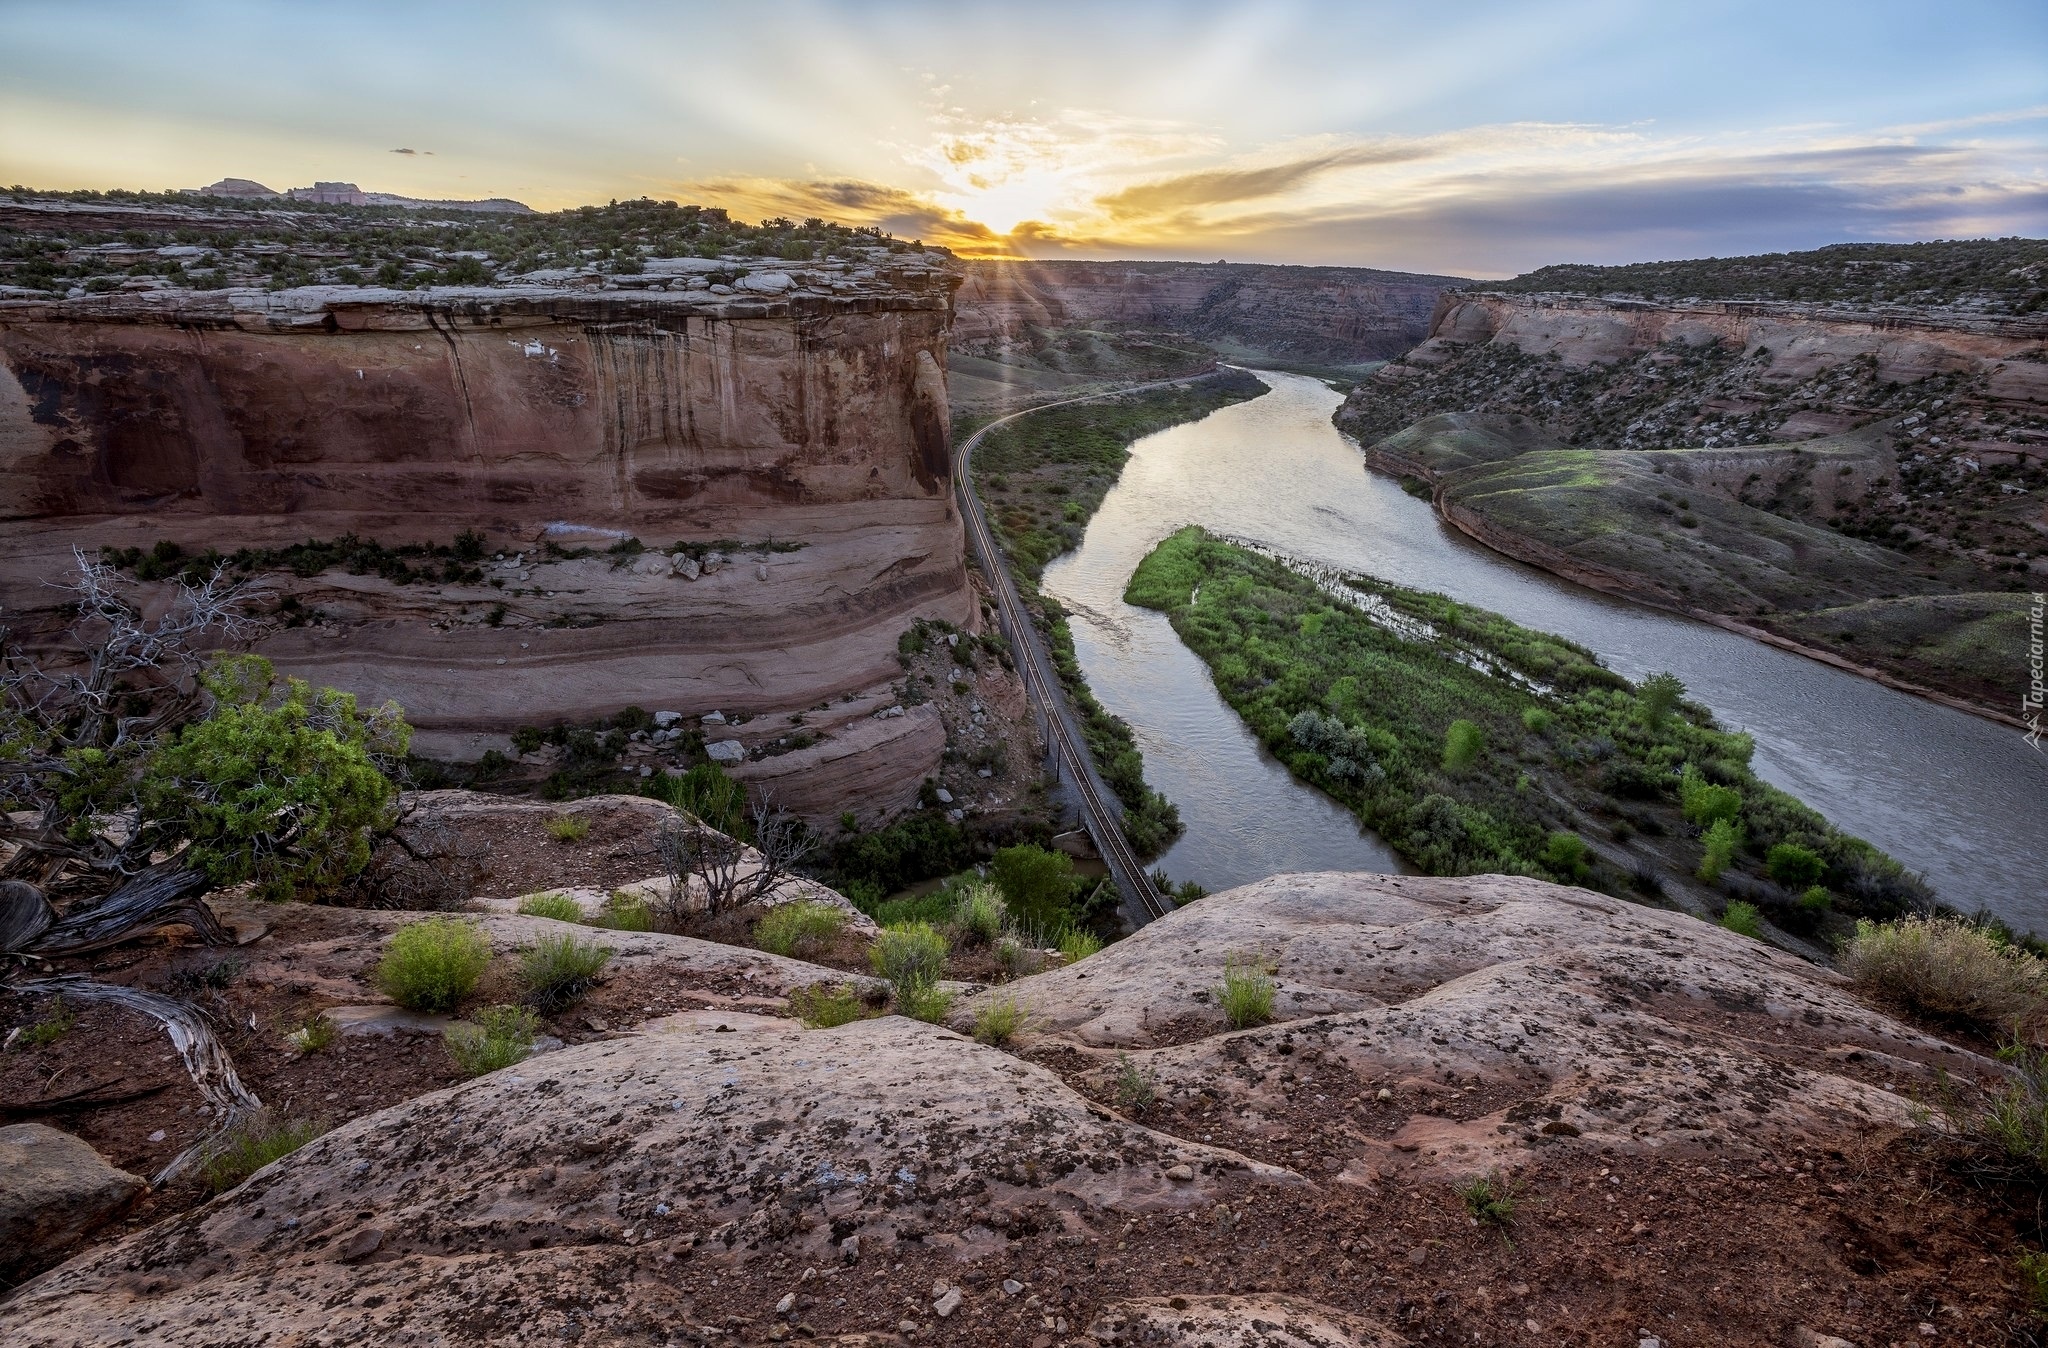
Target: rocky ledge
{"x": 1658, "y": 1102}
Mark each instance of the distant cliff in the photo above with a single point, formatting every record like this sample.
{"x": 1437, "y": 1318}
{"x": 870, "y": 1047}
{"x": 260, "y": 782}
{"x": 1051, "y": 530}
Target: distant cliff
{"x": 1326, "y": 314}
{"x": 796, "y": 422}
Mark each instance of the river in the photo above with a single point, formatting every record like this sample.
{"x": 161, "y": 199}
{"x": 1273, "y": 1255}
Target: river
{"x": 1960, "y": 799}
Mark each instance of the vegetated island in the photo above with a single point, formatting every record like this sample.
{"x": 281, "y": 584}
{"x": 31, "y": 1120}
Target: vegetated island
{"x": 1474, "y": 745}
{"x": 1041, "y": 478}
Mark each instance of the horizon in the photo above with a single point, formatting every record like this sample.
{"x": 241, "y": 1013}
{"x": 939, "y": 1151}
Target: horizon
{"x": 1308, "y": 134}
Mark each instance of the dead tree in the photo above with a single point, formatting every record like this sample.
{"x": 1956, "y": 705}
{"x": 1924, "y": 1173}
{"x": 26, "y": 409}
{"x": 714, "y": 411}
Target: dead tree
{"x": 698, "y": 859}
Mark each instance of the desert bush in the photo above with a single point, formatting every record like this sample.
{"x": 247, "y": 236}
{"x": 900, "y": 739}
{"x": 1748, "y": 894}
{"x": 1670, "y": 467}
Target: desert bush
{"x": 1793, "y": 866}
{"x": 1536, "y": 720}
{"x": 1566, "y": 856}
{"x": 1463, "y": 741}
{"x": 496, "y": 1037}
{"x": 567, "y": 828}
{"x": 1722, "y": 841}
{"x": 1946, "y": 969}
{"x": 1037, "y": 885}
{"x": 559, "y": 970}
{"x": 255, "y": 1145}
{"x": 1702, "y": 802}
{"x": 315, "y": 1035}
{"x": 1658, "y": 697}
{"x": 554, "y": 904}
{"x": 1744, "y": 919}
{"x": 803, "y": 925}
{"x": 998, "y": 1020}
{"x": 822, "y": 1006}
{"x": 979, "y": 915}
{"x": 909, "y": 954}
{"x": 1135, "y": 1091}
{"x": 1246, "y": 995}
{"x": 432, "y": 965}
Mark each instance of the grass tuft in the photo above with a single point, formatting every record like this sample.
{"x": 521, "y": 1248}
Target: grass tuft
{"x": 254, "y": 1146}
{"x": 1247, "y": 992}
{"x": 923, "y": 1001}
{"x": 805, "y": 925}
{"x": 979, "y": 915}
{"x": 433, "y": 965}
{"x": 50, "y": 1028}
{"x": 1077, "y": 944}
{"x": 1744, "y": 919}
{"x": 822, "y": 1006}
{"x": 1490, "y": 1199}
{"x": 497, "y": 1037}
{"x": 554, "y": 904}
{"x": 1135, "y": 1091}
{"x": 625, "y": 912}
{"x": 559, "y": 970}
{"x": 909, "y": 953}
{"x": 998, "y": 1020}
{"x": 568, "y": 828}
{"x": 316, "y": 1035}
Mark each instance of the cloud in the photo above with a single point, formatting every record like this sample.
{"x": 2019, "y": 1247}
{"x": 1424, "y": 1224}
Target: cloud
{"x": 895, "y": 210}
{"x": 1215, "y": 187}
{"x": 409, "y": 151}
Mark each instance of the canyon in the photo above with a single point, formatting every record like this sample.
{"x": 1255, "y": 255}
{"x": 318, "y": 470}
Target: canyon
{"x": 794, "y": 429}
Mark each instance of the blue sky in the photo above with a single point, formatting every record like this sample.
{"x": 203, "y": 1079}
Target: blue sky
{"x": 1477, "y": 139}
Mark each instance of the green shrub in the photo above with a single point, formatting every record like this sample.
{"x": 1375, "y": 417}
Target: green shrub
{"x": 316, "y": 1035}
{"x": 554, "y": 904}
{"x": 804, "y": 924}
{"x": 1037, "y": 885}
{"x": 1490, "y": 1200}
{"x": 1722, "y": 841}
{"x": 1567, "y": 856}
{"x": 1077, "y": 944}
{"x": 1658, "y": 697}
{"x": 1816, "y": 900}
{"x": 707, "y": 794}
{"x": 1744, "y": 920}
{"x": 909, "y": 954}
{"x": 1703, "y": 803}
{"x": 821, "y": 1006}
{"x": 1463, "y": 742}
{"x": 625, "y": 912}
{"x": 568, "y": 828}
{"x": 1135, "y": 1091}
{"x": 432, "y": 965}
{"x": 1946, "y": 969}
{"x": 559, "y": 970}
{"x": 256, "y": 1144}
{"x": 1793, "y": 866}
{"x": 2032, "y": 1266}
{"x": 998, "y": 1020}
{"x": 498, "y": 1036}
{"x": 1536, "y": 720}
{"x": 979, "y": 915}
{"x": 1246, "y": 995}
{"x": 923, "y": 1001}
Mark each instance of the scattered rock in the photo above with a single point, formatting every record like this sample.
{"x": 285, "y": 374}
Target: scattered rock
{"x": 684, "y": 565}
{"x": 54, "y": 1191}
{"x": 945, "y": 796}
{"x": 1240, "y": 1321}
{"x": 947, "y": 1304}
{"x": 726, "y": 751}
{"x": 385, "y": 1021}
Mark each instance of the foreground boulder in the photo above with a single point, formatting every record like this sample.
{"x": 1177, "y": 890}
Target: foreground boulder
{"x": 708, "y": 1141}
{"x": 54, "y": 1191}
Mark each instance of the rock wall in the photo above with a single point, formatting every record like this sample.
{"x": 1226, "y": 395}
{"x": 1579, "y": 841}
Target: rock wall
{"x": 1309, "y": 313}
{"x": 811, "y": 420}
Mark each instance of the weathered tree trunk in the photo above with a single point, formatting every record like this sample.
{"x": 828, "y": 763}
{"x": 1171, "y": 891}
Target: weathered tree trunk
{"x": 213, "y": 1072}
{"x": 166, "y": 893}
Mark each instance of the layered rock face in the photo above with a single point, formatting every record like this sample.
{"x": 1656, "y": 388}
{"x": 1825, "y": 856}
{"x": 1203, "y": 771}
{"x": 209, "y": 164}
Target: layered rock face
{"x": 1309, "y": 313}
{"x": 799, "y": 423}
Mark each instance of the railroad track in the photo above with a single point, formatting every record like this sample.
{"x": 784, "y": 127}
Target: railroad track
{"x": 1101, "y": 812}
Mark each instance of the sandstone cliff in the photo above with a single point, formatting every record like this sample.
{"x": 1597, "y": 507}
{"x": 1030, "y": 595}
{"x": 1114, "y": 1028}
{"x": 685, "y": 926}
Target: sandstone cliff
{"x": 795, "y": 419}
{"x": 1319, "y": 314}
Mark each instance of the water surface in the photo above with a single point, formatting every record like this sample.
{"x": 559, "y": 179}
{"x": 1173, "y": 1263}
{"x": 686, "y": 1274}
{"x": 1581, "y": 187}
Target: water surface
{"x": 1960, "y": 799}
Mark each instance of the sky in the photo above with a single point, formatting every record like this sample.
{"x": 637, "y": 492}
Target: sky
{"x": 1473, "y": 139}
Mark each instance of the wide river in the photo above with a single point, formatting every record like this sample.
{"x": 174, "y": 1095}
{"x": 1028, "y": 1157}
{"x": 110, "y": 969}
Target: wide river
{"x": 1962, "y": 800}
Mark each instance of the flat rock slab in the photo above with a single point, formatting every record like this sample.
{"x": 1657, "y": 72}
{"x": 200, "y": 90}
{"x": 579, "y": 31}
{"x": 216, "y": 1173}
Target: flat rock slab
{"x": 1237, "y": 1322}
{"x": 711, "y": 1136}
{"x": 385, "y": 1021}
{"x": 54, "y": 1191}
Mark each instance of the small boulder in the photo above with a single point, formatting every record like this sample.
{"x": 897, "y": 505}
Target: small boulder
{"x": 54, "y": 1191}
{"x": 726, "y": 751}
{"x": 945, "y": 796}
{"x": 684, "y": 565}
{"x": 665, "y": 719}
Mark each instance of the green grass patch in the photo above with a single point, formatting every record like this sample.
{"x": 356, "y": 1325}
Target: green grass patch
{"x": 558, "y": 971}
{"x": 254, "y": 1146}
{"x": 433, "y": 965}
{"x": 803, "y": 926}
{"x": 822, "y": 1006}
{"x": 496, "y": 1037}
{"x": 552, "y": 904}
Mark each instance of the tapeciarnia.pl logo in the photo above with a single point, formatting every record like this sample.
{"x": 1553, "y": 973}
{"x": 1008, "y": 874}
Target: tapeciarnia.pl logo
{"x": 2030, "y": 703}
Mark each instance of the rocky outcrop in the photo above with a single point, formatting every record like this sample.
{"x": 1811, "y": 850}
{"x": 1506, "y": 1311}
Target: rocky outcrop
{"x": 1654, "y": 1092}
{"x": 796, "y": 427}
{"x": 1337, "y": 314}
{"x": 54, "y": 1191}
